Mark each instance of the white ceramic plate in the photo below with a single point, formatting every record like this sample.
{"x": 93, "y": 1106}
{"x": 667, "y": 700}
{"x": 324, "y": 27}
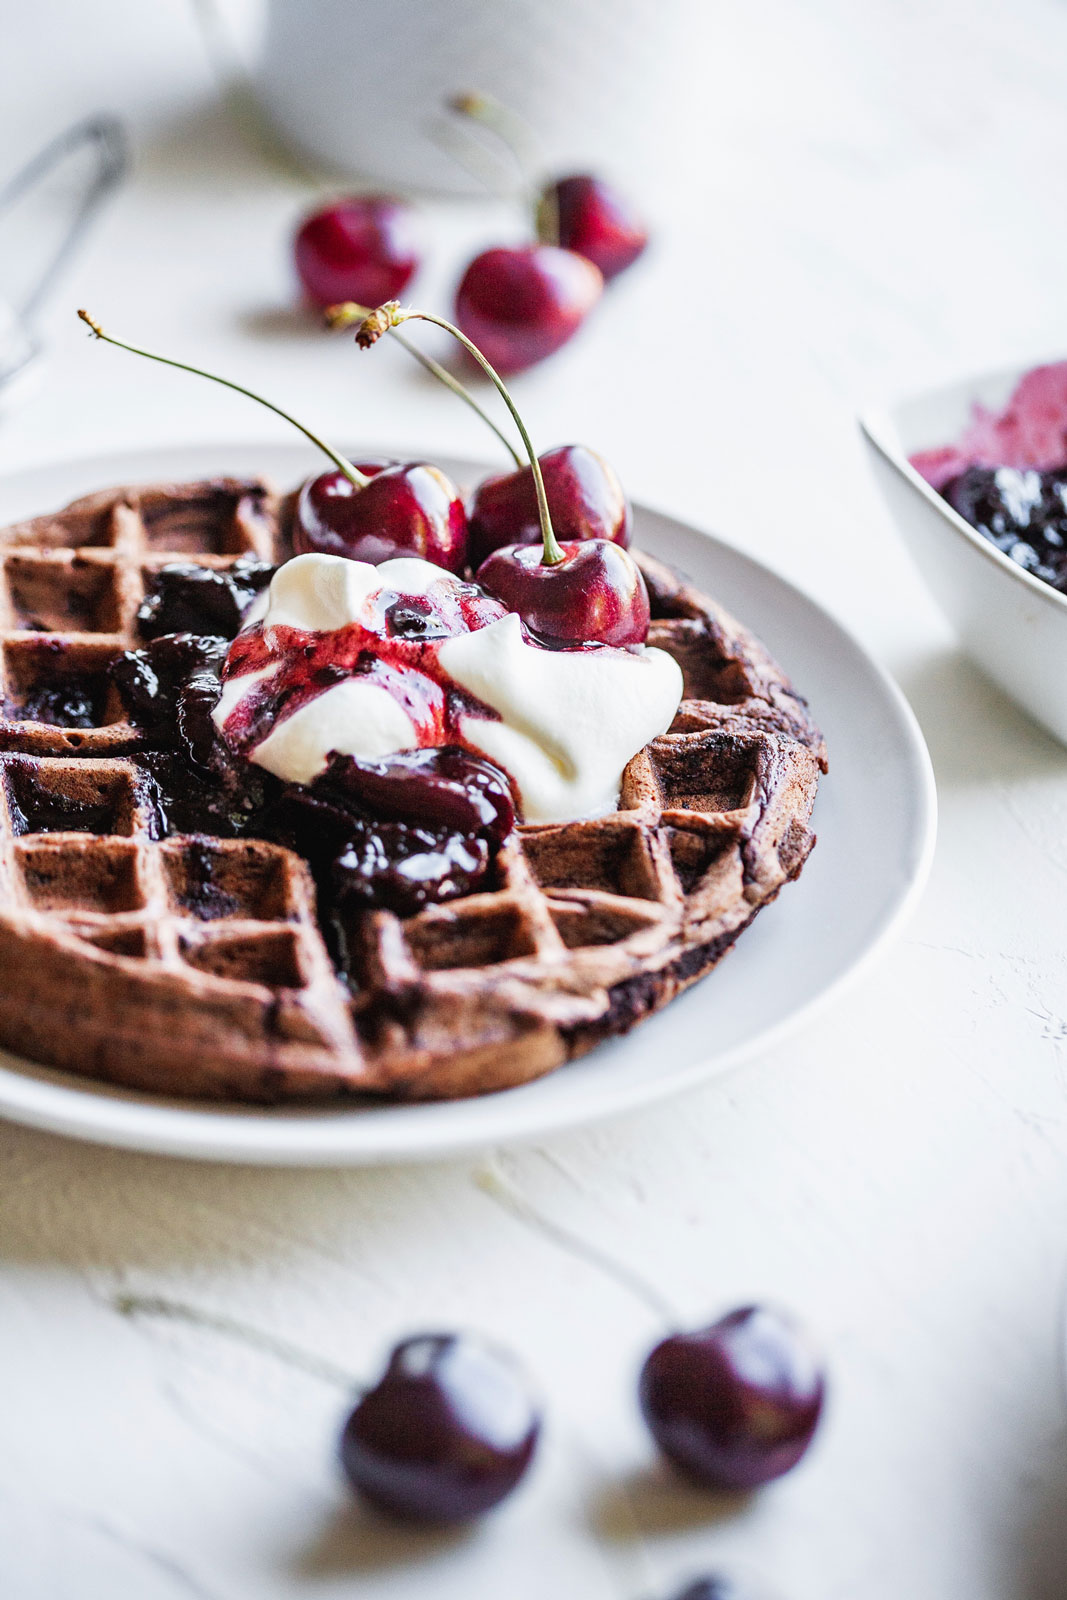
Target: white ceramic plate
{"x": 875, "y": 818}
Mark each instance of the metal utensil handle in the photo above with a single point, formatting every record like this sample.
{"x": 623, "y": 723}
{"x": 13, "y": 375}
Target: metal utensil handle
{"x": 109, "y": 137}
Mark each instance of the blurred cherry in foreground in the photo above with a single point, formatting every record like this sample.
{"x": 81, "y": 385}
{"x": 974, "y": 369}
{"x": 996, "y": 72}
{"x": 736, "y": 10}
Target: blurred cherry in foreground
{"x": 446, "y": 1434}
{"x": 735, "y": 1404}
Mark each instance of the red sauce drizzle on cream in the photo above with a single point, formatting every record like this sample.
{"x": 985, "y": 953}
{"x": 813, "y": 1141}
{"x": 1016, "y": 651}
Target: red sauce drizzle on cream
{"x": 396, "y": 648}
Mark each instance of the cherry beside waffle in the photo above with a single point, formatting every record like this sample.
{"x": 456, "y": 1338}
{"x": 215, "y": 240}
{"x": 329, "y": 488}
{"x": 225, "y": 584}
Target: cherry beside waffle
{"x": 195, "y": 966}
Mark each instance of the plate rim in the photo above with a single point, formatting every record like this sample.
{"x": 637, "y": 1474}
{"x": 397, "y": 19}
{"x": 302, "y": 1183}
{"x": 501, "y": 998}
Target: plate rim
{"x": 53, "y": 1101}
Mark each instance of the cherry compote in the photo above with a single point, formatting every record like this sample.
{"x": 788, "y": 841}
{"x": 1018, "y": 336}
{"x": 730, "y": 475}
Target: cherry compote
{"x": 185, "y": 598}
{"x": 169, "y": 689}
{"x": 446, "y": 787}
{"x": 411, "y": 830}
{"x": 424, "y": 827}
{"x": 152, "y": 684}
{"x": 1020, "y": 510}
{"x": 68, "y": 702}
{"x": 447, "y": 1432}
{"x": 403, "y": 868}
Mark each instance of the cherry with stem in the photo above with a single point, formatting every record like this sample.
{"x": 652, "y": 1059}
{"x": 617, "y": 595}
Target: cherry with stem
{"x": 579, "y": 211}
{"x": 517, "y": 137}
{"x": 585, "y": 497}
{"x": 446, "y": 1434}
{"x": 397, "y": 509}
{"x": 520, "y": 304}
{"x": 581, "y": 592}
{"x": 736, "y": 1404}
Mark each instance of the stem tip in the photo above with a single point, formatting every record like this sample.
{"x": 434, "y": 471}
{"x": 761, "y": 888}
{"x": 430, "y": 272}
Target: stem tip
{"x": 378, "y": 322}
{"x": 467, "y": 105}
{"x": 94, "y": 326}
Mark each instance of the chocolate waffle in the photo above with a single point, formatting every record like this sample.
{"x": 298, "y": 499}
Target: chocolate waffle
{"x": 197, "y": 965}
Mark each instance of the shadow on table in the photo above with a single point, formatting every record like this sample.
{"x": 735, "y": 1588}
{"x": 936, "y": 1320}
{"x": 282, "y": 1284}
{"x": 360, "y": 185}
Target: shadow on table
{"x": 354, "y": 1541}
{"x": 207, "y": 147}
{"x": 1043, "y": 1539}
{"x": 975, "y": 733}
{"x": 655, "y": 1500}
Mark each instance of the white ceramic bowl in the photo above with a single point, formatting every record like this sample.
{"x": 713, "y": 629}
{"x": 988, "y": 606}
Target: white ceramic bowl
{"x": 1009, "y": 622}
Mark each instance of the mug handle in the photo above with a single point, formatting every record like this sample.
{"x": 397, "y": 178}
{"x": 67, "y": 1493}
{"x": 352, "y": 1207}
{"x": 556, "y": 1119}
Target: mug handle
{"x": 106, "y": 136}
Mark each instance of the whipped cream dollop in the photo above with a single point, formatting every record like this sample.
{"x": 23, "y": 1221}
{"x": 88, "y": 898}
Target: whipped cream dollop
{"x": 343, "y": 657}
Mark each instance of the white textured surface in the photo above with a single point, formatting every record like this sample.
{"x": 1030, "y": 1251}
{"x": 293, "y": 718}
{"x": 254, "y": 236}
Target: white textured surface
{"x": 873, "y": 206}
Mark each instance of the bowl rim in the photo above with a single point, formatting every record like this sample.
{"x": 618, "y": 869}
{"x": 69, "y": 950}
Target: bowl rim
{"x": 878, "y": 427}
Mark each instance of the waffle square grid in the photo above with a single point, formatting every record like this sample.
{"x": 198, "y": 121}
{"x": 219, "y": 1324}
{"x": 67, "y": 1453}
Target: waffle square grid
{"x": 195, "y": 966}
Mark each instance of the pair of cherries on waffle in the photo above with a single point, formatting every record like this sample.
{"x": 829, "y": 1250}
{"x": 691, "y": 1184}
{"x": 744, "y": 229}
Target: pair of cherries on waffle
{"x": 424, "y": 823}
{"x": 549, "y": 540}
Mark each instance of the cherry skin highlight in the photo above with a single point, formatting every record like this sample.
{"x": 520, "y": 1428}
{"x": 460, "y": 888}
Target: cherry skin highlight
{"x": 407, "y": 509}
{"x": 736, "y": 1404}
{"x": 446, "y": 1434}
{"x": 520, "y": 305}
{"x": 585, "y": 499}
{"x": 594, "y": 219}
{"x": 595, "y": 595}
{"x": 362, "y": 248}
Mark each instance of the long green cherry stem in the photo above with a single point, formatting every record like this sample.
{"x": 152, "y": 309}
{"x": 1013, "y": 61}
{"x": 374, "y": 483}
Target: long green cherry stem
{"x": 348, "y": 314}
{"x": 521, "y": 143}
{"x": 352, "y": 473}
{"x": 389, "y": 316}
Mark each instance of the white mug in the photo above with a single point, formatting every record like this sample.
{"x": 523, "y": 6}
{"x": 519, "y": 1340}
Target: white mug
{"x": 607, "y": 84}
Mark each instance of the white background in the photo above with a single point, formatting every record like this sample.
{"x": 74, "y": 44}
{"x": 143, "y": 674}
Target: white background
{"x": 872, "y": 200}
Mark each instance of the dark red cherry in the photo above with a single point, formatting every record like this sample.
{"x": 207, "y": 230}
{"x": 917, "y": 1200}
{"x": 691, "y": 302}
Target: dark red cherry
{"x": 736, "y": 1404}
{"x": 520, "y": 305}
{"x": 363, "y": 248}
{"x": 446, "y": 1434}
{"x": 592, "y": 217}
{"x": 595, "y": 595}
{"x": 714, "y": 1586}
{"x": 405, "y": 510}
{"x": 585, "y": 498}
